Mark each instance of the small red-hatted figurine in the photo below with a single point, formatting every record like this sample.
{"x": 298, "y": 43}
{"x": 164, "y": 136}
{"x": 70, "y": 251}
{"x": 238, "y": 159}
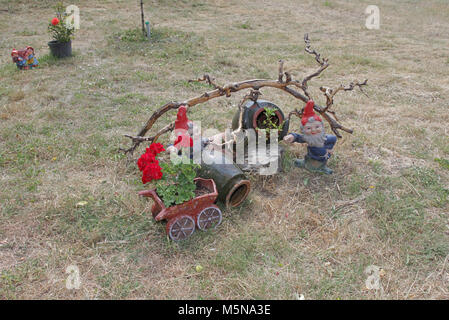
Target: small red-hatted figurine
{"x": 319, "y": 144}
{"x": 24, "y": 59}
{"x": 183, "y": 131}
{"x": 18, "y": 59}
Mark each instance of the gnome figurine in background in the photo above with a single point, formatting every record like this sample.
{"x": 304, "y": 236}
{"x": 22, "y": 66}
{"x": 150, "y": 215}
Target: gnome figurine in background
{"x": 18, "y": 59}
{"x": 24, "y": 59}
{"x": 30, "y": 58}
{"x": 319, "y": 144}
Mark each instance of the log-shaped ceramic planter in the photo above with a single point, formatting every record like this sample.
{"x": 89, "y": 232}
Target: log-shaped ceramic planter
{"x": 232, "y": 185}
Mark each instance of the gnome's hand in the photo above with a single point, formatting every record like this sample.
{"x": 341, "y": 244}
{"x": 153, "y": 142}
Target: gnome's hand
{"x": 172, "y": 149}
{"x": 289, "y": 138}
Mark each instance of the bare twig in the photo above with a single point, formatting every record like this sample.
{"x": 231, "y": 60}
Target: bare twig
{"x": 295, "y": 113}
{"x": 210, "y": 81}
{"x": 281, "y": 71}
{"x": 330, "y": 93}
{"x": 321, "y": 61}
{"x": 284, "y": 84}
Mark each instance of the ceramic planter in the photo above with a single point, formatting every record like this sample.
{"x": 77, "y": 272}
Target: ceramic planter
{"x": 232, "y": 185}
{"x": 199, "y": 212}
{"x": 254, "y": 115}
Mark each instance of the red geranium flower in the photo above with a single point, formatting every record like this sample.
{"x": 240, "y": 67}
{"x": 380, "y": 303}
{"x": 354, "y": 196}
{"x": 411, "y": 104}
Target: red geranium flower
{"x": 148, "y": 164}
{"x": 54, "y": 21}
{"x": 145, "y": 159}
{"x": 156, "y": 148}
{"x": 151, "y": 172}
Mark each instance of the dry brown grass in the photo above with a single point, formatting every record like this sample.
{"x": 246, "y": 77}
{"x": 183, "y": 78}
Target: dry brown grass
{"x": 61, "y": 125}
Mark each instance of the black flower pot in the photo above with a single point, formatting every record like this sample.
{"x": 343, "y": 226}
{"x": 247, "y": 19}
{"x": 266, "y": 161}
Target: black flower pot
{"x": 60, "y": 49}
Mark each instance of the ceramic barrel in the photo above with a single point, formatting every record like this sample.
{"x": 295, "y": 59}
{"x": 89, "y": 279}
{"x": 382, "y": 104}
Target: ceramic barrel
{"x": 232, "y": 185}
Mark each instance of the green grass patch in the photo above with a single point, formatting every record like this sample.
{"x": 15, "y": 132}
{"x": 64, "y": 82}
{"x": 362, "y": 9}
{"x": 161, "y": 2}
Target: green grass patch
{"x": 91, "y": 223}
{"x": 13, "y": 280}
{"x": 444, "y": 163}
{"x": 245, "y": 26}
{"x": 132, "y": 35}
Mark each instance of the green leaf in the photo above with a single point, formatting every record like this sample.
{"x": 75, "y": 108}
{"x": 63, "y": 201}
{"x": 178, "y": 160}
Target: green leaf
{"x": 306, "y": 181}
{"x": 177, "y": 185}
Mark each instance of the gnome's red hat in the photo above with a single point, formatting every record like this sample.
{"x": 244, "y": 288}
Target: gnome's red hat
{"x": 309, "y": 113}
{"x": 182, "y": 122}
{"x": 14, "y": 51}
{"x": 28, "y": 47}
{"x": 181, "y": 119}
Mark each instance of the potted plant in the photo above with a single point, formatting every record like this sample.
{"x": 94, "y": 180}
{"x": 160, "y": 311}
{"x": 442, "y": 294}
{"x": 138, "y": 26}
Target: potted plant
{"x": 185, "y": 201}
{"x": 62, "y": 33}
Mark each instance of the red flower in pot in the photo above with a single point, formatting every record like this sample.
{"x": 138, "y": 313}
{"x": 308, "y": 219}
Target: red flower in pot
{"x": 148, "y": 164}
{"x": 62, "y": 33}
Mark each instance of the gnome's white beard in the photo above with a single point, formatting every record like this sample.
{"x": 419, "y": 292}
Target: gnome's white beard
{"x": 315, "y": 140}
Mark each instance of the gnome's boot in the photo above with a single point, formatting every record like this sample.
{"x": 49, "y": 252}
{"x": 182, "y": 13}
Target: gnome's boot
{"x": 313, "y": 165}
{"x": 300, "y": 163}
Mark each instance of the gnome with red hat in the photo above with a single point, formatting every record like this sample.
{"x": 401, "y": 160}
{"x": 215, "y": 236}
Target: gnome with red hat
{"x": 24, "y": 59}
{"x": 31, "y": 61}
{"x": 183, "y": 131}
{"x": 18, "y": 58}
{"x": 319, "y": 144}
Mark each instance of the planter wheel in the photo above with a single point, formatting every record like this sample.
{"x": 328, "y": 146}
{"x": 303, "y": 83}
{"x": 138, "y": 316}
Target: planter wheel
{"x": 181, "y": 228}
{"x": 209, "y": 217}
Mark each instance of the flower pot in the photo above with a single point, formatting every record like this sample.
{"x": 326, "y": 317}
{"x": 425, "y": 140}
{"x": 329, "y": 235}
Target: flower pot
{"x": 60, "y": 49}
{"x": 254, "y": 115}
{"x": 197, "y": 213}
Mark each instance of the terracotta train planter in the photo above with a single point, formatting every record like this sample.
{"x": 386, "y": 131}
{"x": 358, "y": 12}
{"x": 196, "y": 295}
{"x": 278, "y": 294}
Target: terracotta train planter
{"x": 199, "y": 212}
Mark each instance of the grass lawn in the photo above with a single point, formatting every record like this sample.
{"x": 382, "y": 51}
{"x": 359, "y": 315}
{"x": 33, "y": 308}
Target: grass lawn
{"x": 61, "y": 126}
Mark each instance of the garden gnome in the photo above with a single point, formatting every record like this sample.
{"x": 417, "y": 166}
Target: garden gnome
{"x": 183, "y": 131}
{"x": 319, "y": 144}
{"x": 17, "y": 59}
{"x": 31, "y": 61}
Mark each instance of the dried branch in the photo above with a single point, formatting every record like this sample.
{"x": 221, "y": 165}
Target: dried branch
{"x": 321, "y": 61}
{"x": 330, "y": 93}
{"x": 281, "y": 71}
{"x": 210, "y": 81}
{"x": 295, "y": 112}
{"x": 139, "y": 139}
{"x": 254, "y": 84}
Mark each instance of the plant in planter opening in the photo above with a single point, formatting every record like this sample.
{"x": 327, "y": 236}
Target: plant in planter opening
{"x": 62, "y": 32}
{"x": 271, "y": 122}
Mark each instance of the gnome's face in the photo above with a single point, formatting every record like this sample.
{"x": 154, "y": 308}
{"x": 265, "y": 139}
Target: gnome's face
{"x": 313, "y": 133}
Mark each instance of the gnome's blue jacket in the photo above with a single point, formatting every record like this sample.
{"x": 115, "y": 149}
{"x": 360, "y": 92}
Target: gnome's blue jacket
{"x": 318, "y": 153}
